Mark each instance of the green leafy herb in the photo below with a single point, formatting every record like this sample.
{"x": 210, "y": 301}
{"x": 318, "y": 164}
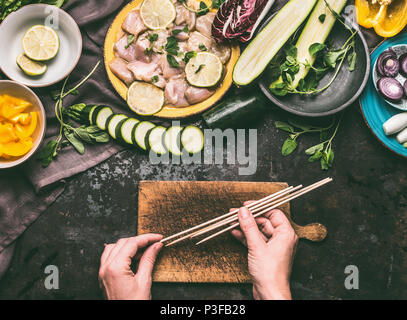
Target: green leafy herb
{"x": 152, "y": 37}
{"x": 172, "y": 46}
{"x": 316, "y": 48}
{"x": 172, "y": 61}
{"x": 189, "y": 55}
{"x": 178, "y": 31}
{"x": 203, "y": 9}
{"x": 199, "y": 68}
{"x": 202, "y": 47}
{"x": 217, "y": 3}
{"x": 9, "y": 6}
{"x": 322, "y": 18}
{"x": 130, "y": 40}
{"x": 74, "y": 136}
{"x": 154, "y": 79}
{"x": 322, "y": 152}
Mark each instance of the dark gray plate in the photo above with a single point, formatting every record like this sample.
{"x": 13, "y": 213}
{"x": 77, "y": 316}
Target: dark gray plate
{"x": 346, "y": 88}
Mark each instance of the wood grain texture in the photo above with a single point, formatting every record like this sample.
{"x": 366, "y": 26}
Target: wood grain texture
{"x": 168, "y": 207}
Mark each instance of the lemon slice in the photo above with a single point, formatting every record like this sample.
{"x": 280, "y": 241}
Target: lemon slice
{"x": 145, "y": 99}
{"x": 157, "y": 14}
{"x": 40, "y": 43}
{"x": 204, "y": 70}
{"x": 30, "y": 67}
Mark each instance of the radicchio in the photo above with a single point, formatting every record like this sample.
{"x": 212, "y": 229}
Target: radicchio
{"x": 239, "y": 19}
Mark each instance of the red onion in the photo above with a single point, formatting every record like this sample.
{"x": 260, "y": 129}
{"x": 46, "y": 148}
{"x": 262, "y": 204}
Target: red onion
{"x": 403, "y": 64}
{"x": 390, "y": 89}
{"x": 382, "y": 60}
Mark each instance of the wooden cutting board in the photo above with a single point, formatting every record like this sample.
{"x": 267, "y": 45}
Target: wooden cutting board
{"x": 168, "y": 207}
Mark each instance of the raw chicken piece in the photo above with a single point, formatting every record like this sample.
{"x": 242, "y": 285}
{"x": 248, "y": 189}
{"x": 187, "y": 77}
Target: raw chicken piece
{"x": 182, "y": 36}
{"x": 185, "y": 16}
{"x": 222, "y": 51}
{"x": 133, "y": 23}
{"x": 196, "y": 39}
{"x": 161, "y": 41}
{"x": 119, "y": 68}
{"x": 167, "y": 70}
{"x": 144, "y": 71}
{"x": 195, "y": 95}
{"x": 204, "y": 24}
{"x": 141, "y": 45}
{"x": 175, "y": 93}
{"x": 161, "y": 83}
{"x": 128, "y": 54}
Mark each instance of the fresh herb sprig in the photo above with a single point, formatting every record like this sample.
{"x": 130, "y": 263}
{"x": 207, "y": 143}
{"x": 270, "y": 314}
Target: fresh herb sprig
{"x": 326, "y": 59}
{"x": 77, "y": 137}
{"x": 323, "y": 151}
{"x": 203, "y": 8}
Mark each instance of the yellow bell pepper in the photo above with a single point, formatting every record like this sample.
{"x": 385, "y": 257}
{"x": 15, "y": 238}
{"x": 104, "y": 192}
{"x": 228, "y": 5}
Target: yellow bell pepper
{"x": 387, "y": 17}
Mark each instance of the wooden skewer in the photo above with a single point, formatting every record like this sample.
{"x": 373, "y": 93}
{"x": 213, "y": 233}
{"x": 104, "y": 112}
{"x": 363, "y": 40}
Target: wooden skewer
{"x": 272, "y": 196}
{"x": 255, "y": 209}
{"x": 289, "y": 198}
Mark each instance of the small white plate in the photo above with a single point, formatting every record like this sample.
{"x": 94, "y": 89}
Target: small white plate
{"x": 11, "y": 33}
{"x": 402, "y": 104}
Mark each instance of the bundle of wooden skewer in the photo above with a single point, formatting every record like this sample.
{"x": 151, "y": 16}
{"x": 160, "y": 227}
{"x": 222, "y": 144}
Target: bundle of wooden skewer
{"x": 229, "y": 220}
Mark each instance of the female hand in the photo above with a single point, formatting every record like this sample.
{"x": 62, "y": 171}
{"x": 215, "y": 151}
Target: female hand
{"x": 271, "y": 242}
{"x": 116, "y": 277}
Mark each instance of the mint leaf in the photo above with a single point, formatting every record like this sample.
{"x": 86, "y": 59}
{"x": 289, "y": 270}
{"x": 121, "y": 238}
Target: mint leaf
{"x": 289, "y": 147}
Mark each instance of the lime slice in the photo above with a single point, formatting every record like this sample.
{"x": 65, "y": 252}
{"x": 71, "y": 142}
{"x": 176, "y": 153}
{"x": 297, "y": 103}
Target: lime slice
{"x": 40, "y": 43}
{"x": 30, "y": 67}
{"x": 157, "y": 14}
{"x": 204, "y": 70}
{"x": 145, "y": 99}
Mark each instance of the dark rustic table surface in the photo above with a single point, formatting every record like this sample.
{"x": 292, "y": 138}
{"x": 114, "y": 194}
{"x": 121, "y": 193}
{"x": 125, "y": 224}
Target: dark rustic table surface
{"x": 365, "y": 211}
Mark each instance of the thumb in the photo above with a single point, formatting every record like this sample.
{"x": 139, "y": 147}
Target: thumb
{"x": 250, "y": 230}
{"x": 146, "y": 265}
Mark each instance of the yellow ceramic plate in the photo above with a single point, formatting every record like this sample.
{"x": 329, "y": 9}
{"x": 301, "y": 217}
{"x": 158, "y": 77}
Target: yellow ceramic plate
{"x": 168, "y": 111}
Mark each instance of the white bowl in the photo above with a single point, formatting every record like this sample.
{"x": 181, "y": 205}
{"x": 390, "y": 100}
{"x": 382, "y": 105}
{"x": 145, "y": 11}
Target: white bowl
{"x": 21, "y": 91}
{"x": 12, "y": 31}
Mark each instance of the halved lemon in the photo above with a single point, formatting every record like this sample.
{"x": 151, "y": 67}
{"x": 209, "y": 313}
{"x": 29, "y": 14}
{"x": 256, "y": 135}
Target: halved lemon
{"x": 30, "y": 67}
{"x": 145, "y": 99}
{"x": 204, "y": 70}
{"x": 157, "y": 14}
{"x": 40, "y": 43}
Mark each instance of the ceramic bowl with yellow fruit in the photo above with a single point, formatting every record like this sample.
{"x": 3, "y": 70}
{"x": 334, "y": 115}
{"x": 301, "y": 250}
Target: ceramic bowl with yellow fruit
{"x": 22, "y": 123}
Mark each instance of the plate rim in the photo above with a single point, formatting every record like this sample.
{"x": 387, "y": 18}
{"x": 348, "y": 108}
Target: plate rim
{"x": 389, "y": 148}
{"x": 356, "y": 96}
{"x": 168, "y": 112}
{"x": 69, "y": 17}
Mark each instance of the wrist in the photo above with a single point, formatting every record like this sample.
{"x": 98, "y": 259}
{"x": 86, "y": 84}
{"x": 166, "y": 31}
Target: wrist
{"x": 273, "y": 291}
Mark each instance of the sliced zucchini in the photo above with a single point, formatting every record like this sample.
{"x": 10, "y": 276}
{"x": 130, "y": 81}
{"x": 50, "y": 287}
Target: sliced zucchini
{"x": 172, "y": 140}
{"x": 126, "y": 130}
{"x": 113, "y": 123}
{"x": 100, "y": 117}
{"x": 156, "y": 140}
{"x": 140, "y": 133}
{"x": 270, "y": 40}
{"x": 316, "y": 30}
{"x": 91, "y": 114}
{"x": 192, "y": 139}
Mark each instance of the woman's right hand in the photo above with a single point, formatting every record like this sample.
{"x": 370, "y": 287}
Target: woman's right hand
{"x": 271, "y": 243}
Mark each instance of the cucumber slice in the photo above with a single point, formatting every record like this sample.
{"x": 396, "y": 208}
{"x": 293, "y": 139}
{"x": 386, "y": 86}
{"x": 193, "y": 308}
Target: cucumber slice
{"x": 156, "y": 140}
{"x": 172, "y": 140}
{"x": 140, "y": 133}
{"x": 192, "y": 139}
{"x": 91, "y": 114}
{"x": 126, "y": 130}
{"x": 270, "y": 40}
{"x": 315, "y": 31}
{"x": 113, "y": 124}
{"x": 100, "y": 117}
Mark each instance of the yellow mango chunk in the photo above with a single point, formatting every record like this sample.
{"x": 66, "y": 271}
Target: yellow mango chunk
{"x": 7, "y": 133}
{"x": 11, "y": 107}
{"x": 25, "y": 131}
{"x": 22, "y": 118}
{"x": 18, "y": 149}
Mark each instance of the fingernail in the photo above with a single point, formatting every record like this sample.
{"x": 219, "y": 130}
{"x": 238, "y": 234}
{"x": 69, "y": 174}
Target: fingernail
{"x": 244, "y": 213}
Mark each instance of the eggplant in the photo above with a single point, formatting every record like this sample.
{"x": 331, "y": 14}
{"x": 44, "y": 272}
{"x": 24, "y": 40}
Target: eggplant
{"x": 390, "y": 89}
{"x": 403, "y": 66}
{"x": 382, "y": 60}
